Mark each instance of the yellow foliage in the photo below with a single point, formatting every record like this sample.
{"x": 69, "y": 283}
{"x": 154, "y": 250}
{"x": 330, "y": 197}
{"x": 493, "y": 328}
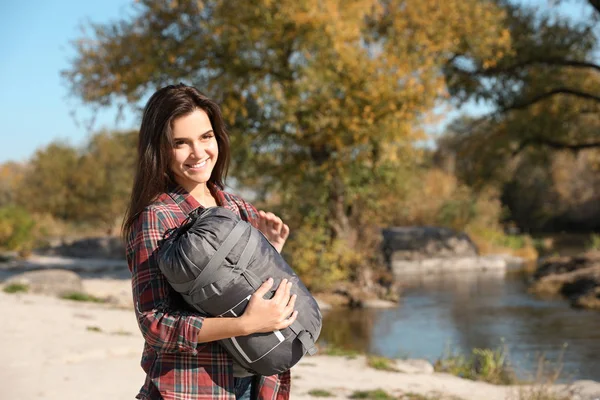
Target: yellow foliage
{"x": 319, "y": 260}
{"x": 318, "y": 91}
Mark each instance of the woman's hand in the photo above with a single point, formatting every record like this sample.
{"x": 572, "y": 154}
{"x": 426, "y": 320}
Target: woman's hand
{"x": 273, "y": 228}
{"x": 268, "y": 315}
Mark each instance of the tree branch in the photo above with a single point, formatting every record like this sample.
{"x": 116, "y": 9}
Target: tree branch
{"x": 553, "y": 92}
{"x": 595, "y": 4}
{"x": 550, "y": 62}
{"x": 556, "y": 145}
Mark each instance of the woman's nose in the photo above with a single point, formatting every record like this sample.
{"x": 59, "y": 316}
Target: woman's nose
{"x": 198, "y": 150}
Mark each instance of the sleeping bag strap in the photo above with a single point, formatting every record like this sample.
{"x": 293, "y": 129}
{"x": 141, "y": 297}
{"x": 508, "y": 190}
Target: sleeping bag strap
{"x": 305, "y": 337}
{"x": 210, "y": 290}
{"x": 219, "y": 257}
{"x": 248, "y": 252}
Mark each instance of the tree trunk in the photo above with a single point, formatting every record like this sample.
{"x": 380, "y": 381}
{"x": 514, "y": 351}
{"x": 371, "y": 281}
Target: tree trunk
{"x": 342, "y": 229}
{"x": 340, "y": 222}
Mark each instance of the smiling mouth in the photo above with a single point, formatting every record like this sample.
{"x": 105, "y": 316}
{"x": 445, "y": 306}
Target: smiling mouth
{"x": 198, "y": 165}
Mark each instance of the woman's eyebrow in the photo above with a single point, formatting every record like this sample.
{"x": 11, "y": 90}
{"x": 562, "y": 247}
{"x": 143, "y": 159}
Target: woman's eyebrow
{"x": 202, "y": 134}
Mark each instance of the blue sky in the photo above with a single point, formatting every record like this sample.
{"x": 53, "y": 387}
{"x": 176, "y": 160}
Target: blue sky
{"x": 34, "y": 48}
{"x": 35, "y": 106}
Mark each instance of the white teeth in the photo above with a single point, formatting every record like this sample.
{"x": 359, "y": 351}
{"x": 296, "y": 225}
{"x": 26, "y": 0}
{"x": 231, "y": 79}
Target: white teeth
{"x": 199, "y": 165}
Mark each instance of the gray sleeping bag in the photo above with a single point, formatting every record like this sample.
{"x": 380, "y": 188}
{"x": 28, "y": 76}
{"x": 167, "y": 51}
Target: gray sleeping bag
{"x": 216, "y": 261}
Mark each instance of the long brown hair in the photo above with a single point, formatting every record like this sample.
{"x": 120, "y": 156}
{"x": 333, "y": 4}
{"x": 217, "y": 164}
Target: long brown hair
{"x": 153, "y": 175}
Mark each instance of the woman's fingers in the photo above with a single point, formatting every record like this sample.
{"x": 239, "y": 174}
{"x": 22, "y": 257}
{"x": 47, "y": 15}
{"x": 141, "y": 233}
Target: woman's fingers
{"x": 270, "y": 221}
{"x": 262, "y": 222}
{"x": 288, "y": 321}
{"x": 265, "y": 315}
{"x": 285, "y": 231}
{"x": 264, "y": 288}
{"x": 275, "y": 222}
{"x": 292, "y": 301}
{"x": 290, "y": 306}
{"x": 280, "y": 294}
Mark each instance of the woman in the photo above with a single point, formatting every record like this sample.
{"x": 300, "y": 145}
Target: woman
{"x": 183, "y": 156}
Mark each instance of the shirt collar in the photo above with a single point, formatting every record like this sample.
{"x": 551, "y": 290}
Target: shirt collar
{"x": 188, "y": 203}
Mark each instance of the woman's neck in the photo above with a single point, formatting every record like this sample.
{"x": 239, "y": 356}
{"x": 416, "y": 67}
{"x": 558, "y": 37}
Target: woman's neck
{"x": 203, "y": 195}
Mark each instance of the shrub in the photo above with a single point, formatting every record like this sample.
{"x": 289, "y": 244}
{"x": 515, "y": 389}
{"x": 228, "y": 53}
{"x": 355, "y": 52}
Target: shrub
{"x": 319, "y": 260}
{"x": 594, "y": 242}
{"x": 434, "y": 197}
{"x": 78, "y": 296}
{"x": 482, "y": 365}
{"x": 16, "y": 226}
{"x": 542, "y": 385}
{"x": 331, "y": 350}
{"x": 320, "y": 393}
{"x": 377, "y": 394}
{"x": 93, "y": 329}
{"x": 15, "y": 288}
{"x": 381, "y": 363}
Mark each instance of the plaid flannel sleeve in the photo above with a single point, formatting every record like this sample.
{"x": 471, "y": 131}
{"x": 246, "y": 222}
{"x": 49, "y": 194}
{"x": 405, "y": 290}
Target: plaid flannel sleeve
{"x": 248, "y": 212}
{"x": 163, "y": 328}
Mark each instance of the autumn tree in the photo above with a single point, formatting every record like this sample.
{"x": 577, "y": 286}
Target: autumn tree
{"x": 544, "y": 97}
{"x": 10, "y": 175}
{"x": 544, "y": 89}
{"x": 324, "y": 98}
{"x": 88, "y": 185}
{"x": 102, "y": 182}
{"x": 47, "y": 185}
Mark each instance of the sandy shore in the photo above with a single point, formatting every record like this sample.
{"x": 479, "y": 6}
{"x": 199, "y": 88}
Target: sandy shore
{"x": 59, "y": 349}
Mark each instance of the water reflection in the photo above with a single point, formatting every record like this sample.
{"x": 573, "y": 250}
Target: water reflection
{"x": 473, "y": 310}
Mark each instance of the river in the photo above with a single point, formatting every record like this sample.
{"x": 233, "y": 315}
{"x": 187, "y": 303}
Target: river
{"x": 470, "y": 310}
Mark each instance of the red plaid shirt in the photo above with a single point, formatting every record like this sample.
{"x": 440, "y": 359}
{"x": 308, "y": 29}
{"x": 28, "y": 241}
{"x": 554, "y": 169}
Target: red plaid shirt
{"x": 177, "y": 367}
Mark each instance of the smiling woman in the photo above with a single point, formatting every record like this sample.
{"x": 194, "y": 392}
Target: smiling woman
{"x": 183, "y": 156}
{"x": 194, "y": 155}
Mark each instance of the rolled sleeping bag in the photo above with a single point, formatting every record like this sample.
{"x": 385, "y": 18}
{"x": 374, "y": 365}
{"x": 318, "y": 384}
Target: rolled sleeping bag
{"x": 216, "y": 261}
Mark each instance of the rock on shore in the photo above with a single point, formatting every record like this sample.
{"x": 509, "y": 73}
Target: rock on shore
{"x": 576, "y": 278}
{"x": 425, "y": 249}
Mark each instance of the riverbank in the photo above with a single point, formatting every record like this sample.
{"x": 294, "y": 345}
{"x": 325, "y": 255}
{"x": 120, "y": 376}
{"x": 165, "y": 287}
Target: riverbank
{"x": 57, "y": 348}
{"x": 576, "y": 278}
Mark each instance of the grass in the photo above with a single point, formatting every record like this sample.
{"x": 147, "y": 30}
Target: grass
{"x": 377, "y": 394}
{"x": 481, "y": 365}
{"x": 491, "y": 366}
{"x": 381, "y": 363}
{"x": 338, "y": 351}
{"x": 78, "y": 296}
{"x": 541, "y": 392}
{"x": 493, "y": 241}
{"x": 513, "y": 242}
{"x": 93, "y": 329}
{"x": 380, "y": 394}
{"x": 594, "y": 242}
{"x": 546, "y": 375}
{"x": 320, "y": 393}
{"x": 417, "y": 396}
{"x": 121, "y": 333}
{"x": 16, "y": 288}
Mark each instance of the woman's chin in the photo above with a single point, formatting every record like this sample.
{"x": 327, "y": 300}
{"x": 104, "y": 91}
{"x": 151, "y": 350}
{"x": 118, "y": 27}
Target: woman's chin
{"x": 199, "y": 179}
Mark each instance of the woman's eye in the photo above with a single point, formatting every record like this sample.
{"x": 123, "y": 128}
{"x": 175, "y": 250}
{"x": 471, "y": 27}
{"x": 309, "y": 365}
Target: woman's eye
{"x": 178, "y": 144}
{"x": 208, "y": 136}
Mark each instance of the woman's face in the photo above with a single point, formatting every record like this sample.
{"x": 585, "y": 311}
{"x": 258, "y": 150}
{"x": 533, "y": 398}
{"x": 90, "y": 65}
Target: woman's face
{"x": 195, "y": 149}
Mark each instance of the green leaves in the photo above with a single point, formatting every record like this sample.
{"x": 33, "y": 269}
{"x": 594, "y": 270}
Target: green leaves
{"x": 16, "y": 226}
